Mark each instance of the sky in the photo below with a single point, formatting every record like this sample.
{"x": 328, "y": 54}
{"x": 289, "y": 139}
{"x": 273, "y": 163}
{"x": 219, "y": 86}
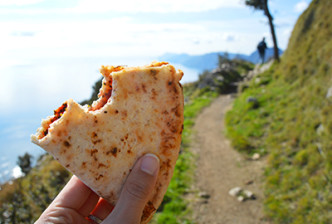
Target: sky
{"x": 51, "y": 50}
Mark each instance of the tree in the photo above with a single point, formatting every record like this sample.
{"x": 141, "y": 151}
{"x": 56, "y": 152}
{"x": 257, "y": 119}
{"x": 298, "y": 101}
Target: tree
{"x": 95, "y": 92}
{"x": 24, "y": 163}
{"x": 263, "y": 5}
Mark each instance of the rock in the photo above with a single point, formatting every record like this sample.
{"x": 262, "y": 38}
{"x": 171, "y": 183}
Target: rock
{"x": 320, "y": 149}
{"x": 235, "y": 191}
{"x": 252, "y": 99}
{"x": 249, "y": 182}
{"x": 240, "y": 198}
{"x": 329, "y": 92}
{"x": 204, "y": 195}
{"x": 320, "y": 129}
{"x": 256, "y": 156}
{"x": 220, "y": 78}
{"x": 257, "y": 80}
{"x": 248, "y": 194}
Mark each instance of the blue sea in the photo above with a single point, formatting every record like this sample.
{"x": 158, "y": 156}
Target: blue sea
{"x": 32, "y": 89}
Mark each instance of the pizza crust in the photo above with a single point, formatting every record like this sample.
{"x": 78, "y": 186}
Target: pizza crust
{"x": 144, "y": 114}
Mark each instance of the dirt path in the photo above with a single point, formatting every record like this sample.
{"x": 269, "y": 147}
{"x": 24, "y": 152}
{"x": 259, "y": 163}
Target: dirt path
{"x": 221, "y": 168}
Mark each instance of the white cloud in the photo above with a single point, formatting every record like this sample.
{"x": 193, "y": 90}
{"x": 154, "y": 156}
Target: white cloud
{"x": 18, "y": 2}
{"x": 17, "y": 172}
{"x": 301, "y": 6}
{"x": 160, "y": 6}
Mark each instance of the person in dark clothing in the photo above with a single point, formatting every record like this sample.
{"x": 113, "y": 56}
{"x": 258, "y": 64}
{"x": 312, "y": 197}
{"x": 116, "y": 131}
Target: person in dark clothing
{"x": 261, "y": 47}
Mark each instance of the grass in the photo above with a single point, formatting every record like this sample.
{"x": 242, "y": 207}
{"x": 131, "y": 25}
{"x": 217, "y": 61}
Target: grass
{"x": 292, "y": 105}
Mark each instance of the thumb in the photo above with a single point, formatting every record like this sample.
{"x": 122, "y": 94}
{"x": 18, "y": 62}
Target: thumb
{"x": 136, "y": 191}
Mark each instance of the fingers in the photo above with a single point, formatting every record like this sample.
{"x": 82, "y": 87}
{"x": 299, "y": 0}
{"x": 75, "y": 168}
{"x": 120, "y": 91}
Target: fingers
{"x": 103, "y": 209}
{"x": 73, "y": 203}
{"x": 136, "y": 191}
{"x": 89, "y": 204}
{"x": 73, "y": 195}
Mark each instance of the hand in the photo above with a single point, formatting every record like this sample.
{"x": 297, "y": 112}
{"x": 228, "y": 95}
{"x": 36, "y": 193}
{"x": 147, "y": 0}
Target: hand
{"x": 76, "y": 201}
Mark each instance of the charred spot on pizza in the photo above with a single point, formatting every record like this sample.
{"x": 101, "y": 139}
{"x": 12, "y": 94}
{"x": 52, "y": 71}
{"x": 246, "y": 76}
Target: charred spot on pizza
{"x": 177, "y": 110}
{"x": 154, "y": 94}
{"x": 67, "y": 144}
{"x": 96, "y": 141}
{"x": 148, "y": 210}
{"x": 93, "y": 153}
{"x": 94, "y": 135}
{"x": 113, "y": 151}
{"x": 100, "y": 176}
{"x": 101, "y": 165}
{"x": 144, "y": 88}
{"x": 181, "y": 129}
{"x": 154, "y": 73}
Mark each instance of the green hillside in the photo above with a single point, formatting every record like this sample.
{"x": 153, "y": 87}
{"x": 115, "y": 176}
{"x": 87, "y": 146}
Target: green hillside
{"x": 292, "y": 122}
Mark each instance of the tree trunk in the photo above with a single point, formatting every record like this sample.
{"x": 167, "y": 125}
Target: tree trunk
{"x": 274, "y": 38}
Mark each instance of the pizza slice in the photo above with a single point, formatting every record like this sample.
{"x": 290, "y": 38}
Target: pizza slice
{"x": 139, "y": 111}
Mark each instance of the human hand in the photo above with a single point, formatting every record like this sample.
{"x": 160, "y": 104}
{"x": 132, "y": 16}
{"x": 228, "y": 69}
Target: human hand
{"x": 76, "y": 201}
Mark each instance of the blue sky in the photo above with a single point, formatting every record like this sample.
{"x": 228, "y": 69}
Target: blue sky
{"x": 51, "y": 50}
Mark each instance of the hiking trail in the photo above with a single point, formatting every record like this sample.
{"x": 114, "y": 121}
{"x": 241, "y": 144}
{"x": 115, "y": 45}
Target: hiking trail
{"x": 221, "y": 168}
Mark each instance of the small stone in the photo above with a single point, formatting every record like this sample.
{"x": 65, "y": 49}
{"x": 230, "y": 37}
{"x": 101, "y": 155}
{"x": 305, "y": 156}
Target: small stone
{"x": 220, "y": 78}
{"x": 252, "y": 99}
{"x": 240, "y": 198}
{"x": 249, "y": 194}
{"x": 320, "y": 129}
{"x": 249, "y": 182}
{"x": 204, "y": 195}
{"x": 256, "y": 156}
{"x": 235, "y": 191}
{"x": 329, "y": 93}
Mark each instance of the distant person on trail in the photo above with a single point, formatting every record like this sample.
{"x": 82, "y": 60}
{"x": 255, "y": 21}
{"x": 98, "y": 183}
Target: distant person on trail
{"x": 261, "y": 47}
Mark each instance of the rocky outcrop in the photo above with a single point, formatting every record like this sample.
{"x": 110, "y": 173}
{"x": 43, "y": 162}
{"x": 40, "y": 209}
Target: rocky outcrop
{"x": 224, "y": 78}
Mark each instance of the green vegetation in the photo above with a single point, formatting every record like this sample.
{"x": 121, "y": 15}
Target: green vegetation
{"x": 24, "y": 199}
{"x": 291, "y": 122}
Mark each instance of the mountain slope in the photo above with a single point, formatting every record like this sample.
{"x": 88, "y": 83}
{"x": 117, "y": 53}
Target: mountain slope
{"x": 291, "y": 122}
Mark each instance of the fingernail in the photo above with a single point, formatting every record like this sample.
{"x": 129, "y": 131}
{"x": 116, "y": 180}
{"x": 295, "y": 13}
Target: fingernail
{"x": 150, "y": 164}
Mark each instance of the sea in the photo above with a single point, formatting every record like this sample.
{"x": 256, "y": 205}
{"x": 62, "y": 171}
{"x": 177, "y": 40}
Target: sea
{"x": 32, "y": 89}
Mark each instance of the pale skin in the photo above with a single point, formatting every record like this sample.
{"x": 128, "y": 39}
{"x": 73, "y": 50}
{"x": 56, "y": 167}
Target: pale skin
{"x": 76, "y": 201}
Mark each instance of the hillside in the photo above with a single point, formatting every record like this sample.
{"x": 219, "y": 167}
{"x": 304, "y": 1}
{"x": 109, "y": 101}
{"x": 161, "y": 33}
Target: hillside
{"x": 285, "y": 113}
